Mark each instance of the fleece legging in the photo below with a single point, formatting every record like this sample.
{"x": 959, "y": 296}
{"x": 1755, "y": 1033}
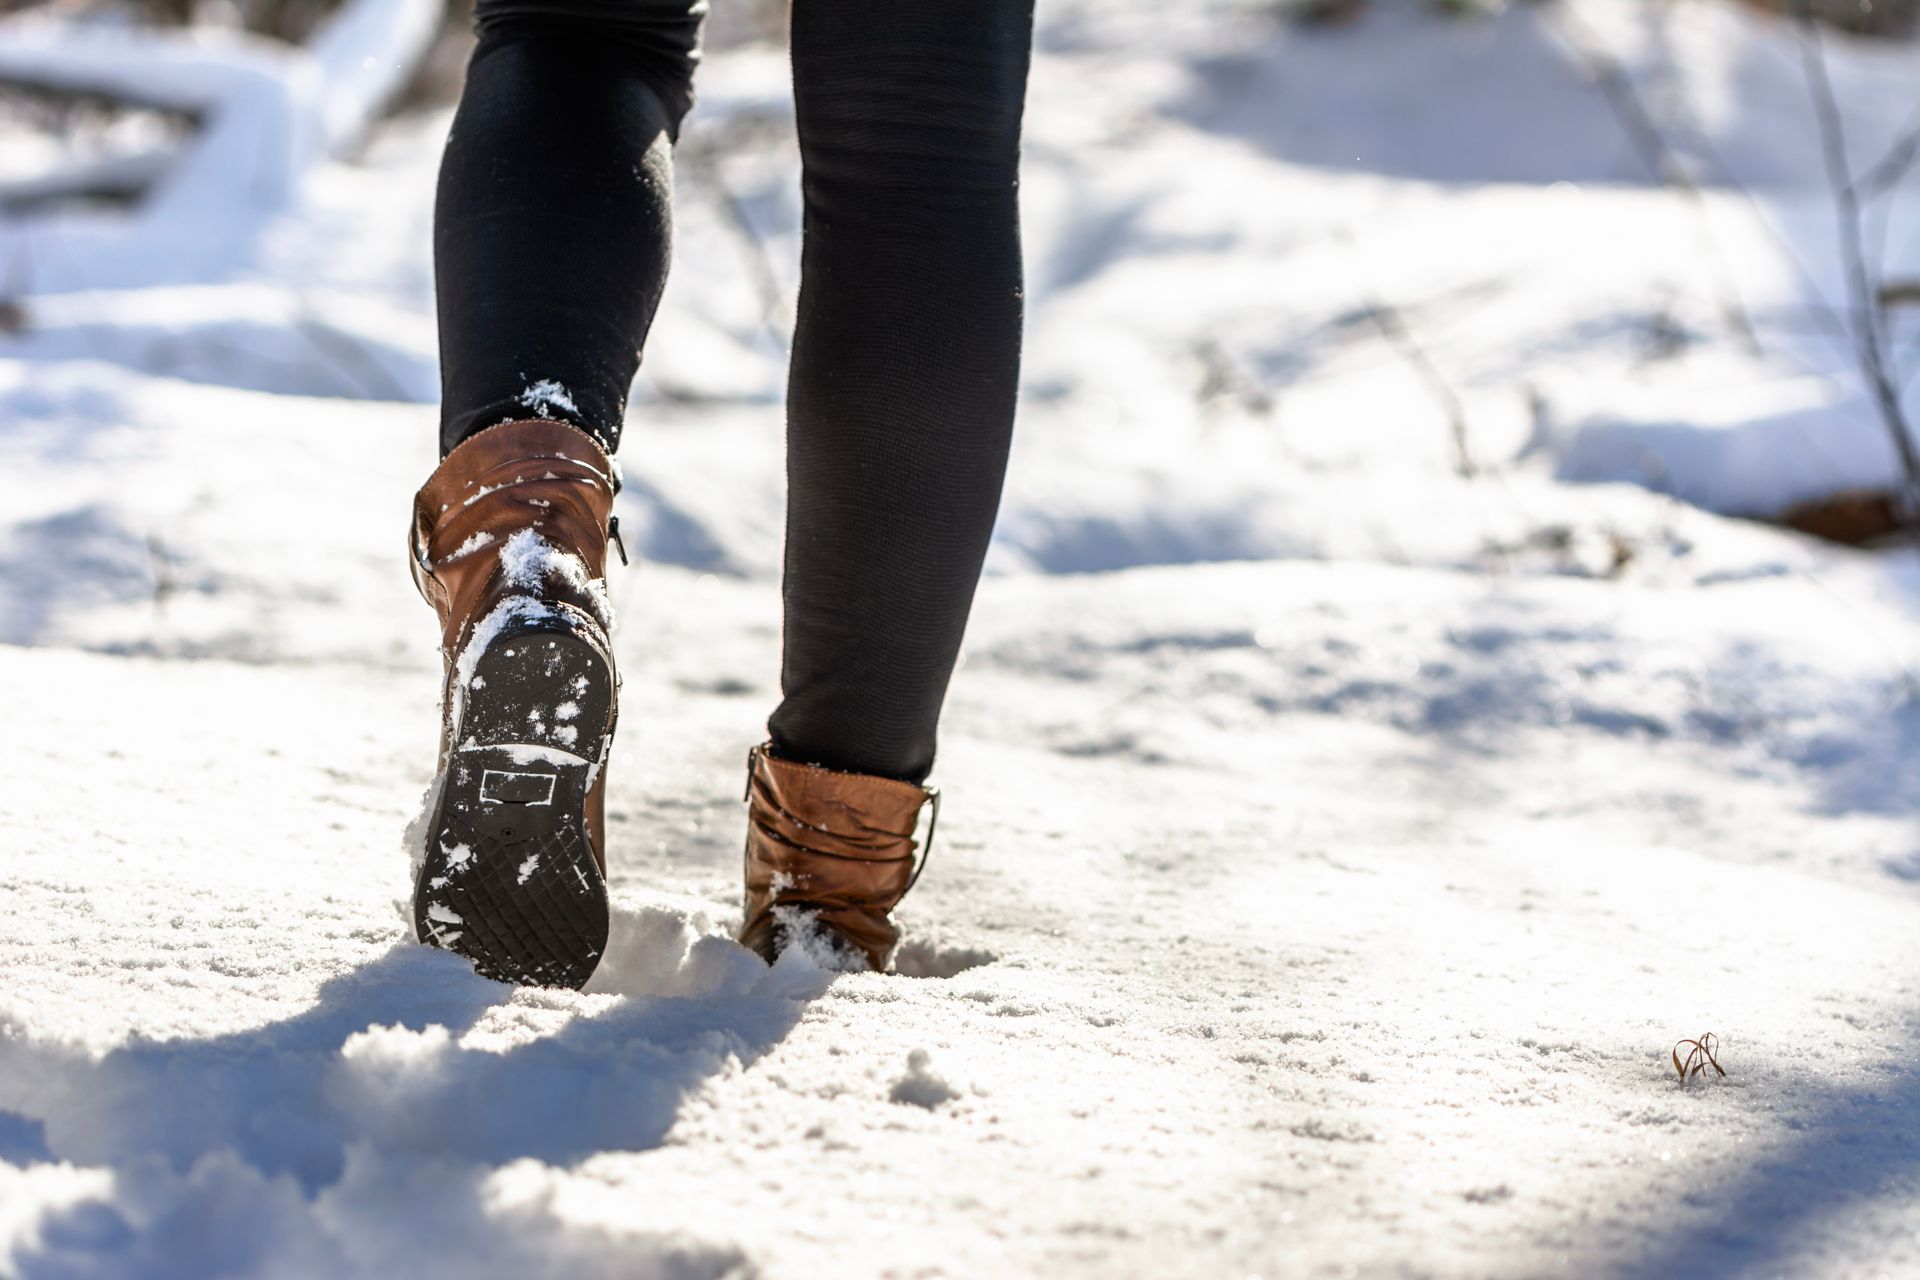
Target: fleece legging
{"x": 551, "y": 244}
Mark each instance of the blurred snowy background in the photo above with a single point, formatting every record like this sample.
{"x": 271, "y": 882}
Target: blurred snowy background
{"x": 1453, "y": 630}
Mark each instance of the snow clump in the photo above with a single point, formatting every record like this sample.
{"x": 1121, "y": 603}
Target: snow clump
{"x": 547, "y": 395}
{"x": 921, "y": 1087}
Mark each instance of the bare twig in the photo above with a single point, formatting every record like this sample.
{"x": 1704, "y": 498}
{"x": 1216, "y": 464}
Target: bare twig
{"x": 1699, "y": 1058}
{"x": 1898, "y": 293}
{"x": 1649, "y": 142}
{"x": 1910, "y": 361}
{"x": 1435, "y": 312}
{"x": 704, "y": 167}
{"x": 1224, "y": 376}
{"x": 14, "y": 316}
{"x": 1394, "y": 329}
{"x": 1831, "y": 323}
{"x": 1864, "y": 315}
{"x": 165, "y": 580}
{"x": 1883, "y": 174}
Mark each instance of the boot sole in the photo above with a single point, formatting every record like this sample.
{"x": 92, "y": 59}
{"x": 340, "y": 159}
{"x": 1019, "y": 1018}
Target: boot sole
{"x": 509, "y": 880}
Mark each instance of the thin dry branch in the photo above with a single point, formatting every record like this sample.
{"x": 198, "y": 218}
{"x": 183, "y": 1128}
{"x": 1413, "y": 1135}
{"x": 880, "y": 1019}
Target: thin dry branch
{"x": 1886, "y": 172}
{"x": 1394, "y": 328}
{"x": 1643, "y": 132}
{"x": 1699, "y": 1057}
{"x": 1864, "y": 315}
{"x": 1898, "y": 293}
{"x": 706, "y": 173}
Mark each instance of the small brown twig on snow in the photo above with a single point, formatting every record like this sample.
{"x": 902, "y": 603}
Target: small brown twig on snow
{"x": 1699, "y": 1058}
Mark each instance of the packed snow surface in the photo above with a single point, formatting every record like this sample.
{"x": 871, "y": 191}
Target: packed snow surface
{"x": 1333, "y": 849}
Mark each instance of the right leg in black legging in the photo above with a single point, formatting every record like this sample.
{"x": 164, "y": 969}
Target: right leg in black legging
{"x": 905, "y": 360}
{"x": 552, "y": 224}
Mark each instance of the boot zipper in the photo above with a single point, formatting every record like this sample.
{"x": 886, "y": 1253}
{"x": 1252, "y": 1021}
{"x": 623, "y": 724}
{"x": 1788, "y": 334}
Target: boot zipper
{"x": 613, "y": 535}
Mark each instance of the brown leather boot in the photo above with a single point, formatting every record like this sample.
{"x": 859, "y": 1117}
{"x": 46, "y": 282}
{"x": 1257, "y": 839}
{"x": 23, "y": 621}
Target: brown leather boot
{"x": 509, "y": 545}
{"x": 829, "y": 855}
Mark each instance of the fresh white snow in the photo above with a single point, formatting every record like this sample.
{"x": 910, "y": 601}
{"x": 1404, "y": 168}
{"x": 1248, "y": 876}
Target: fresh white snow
{"x": 480, "y": 539}
{"x": 527, "y": 560}
{"x": 547, "y": 395}
{"x": 1333, "y": 848}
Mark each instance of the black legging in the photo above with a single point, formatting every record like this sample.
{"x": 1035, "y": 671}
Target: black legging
{"x": 551, "y": 245}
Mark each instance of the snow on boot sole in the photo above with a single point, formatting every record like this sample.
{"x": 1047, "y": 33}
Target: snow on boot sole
{"x": 509, "y": 879}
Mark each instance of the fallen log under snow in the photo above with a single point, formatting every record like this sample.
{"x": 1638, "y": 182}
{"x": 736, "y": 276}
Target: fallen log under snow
{"x": 269, "y": 111}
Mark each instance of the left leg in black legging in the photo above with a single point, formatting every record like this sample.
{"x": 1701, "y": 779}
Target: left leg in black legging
{"x": 552, "y": 224}
{"x": 906, "y": 357}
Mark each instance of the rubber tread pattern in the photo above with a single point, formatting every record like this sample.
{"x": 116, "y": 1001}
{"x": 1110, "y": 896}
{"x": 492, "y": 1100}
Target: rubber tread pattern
{"x": 521, "y": 878}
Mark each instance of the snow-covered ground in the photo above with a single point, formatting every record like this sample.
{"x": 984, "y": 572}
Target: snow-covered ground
{"x": 1333, "y": 847}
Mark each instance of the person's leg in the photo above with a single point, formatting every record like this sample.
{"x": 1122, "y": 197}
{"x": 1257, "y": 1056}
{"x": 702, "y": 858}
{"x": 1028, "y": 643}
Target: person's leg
{"x": 905, "y": 361}
{"x": 552, "y": 223}
{"x": 551, "y": 237}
